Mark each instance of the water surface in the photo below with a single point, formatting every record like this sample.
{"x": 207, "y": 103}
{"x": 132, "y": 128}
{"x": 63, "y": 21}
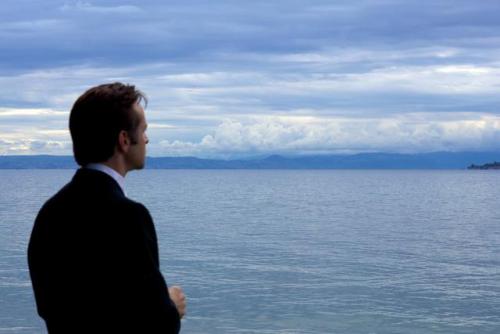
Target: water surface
{"x": 270, "y": 251}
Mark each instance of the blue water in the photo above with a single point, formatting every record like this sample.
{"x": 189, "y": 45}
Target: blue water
{"x": 298, "y": 251}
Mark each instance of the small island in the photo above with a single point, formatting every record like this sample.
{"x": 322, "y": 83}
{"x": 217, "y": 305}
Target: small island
{"x": 494, "y": 165}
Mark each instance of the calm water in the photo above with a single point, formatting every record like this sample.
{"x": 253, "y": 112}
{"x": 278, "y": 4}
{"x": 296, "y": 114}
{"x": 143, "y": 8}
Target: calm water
{"x": 298, "y": 251}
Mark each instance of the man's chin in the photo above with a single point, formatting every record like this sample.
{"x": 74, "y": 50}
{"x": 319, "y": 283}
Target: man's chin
{"x": 138, "y": 166}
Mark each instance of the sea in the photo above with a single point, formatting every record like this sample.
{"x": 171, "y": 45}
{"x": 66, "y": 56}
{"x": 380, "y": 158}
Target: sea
{"x": 297, "y": 251}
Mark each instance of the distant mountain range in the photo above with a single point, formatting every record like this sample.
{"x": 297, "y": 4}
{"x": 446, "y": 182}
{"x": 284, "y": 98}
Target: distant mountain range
{"x": 494, "y": 165}
{"x": 437, "y": 160}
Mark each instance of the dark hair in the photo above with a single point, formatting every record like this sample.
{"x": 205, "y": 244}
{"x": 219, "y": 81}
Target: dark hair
{"x": 98, "y": 116}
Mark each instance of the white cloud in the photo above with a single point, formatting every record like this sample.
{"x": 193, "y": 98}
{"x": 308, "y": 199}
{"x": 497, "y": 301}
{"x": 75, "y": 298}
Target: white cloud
{"x": 34, "y": 25}
{"x": 34, "y": 131}
{"x": 226, "y": 91}
{"x": 443, "y": 80}
{"x": 334, "y": 135}
{"x": 27, "y": 112}
{"x": 432, "y": 79}
{"x": 466, "y": 70}
{"x": 34, "y": 146}
{"x": 160, "y": 126}
{"x": 89, "y": 7}
{"x": 415, "y": 132}
{"x": 186, "y": 106}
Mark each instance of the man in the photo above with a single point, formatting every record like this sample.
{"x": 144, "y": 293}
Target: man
{"x": 93, "y": 253}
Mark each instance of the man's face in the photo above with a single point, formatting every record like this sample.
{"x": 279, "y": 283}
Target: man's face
{"x": 136, "y": 155}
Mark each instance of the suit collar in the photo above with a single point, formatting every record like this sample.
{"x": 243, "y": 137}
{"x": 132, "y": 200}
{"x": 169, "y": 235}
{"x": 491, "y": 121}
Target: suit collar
{"x": 111, "y": 172}
{"x": 97, "y": 179}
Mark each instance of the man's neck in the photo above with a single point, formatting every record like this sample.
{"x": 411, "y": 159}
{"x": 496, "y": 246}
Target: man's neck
{"x": 117, "y": 164}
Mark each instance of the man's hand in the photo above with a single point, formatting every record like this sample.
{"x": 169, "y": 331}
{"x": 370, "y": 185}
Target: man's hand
{"x": 178, "y": 298}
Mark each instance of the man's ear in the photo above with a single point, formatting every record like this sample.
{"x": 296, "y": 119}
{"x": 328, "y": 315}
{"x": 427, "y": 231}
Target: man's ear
{"x": 124, "y": 141}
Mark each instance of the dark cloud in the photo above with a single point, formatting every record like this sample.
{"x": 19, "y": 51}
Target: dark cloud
{"x": 204, "y": 62}
{"x": 54, "y": 33}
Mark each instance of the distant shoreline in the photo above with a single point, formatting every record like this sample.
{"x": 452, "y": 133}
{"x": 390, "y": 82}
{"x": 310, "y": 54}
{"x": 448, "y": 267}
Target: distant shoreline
{"x": 493, "y": 165}
{"x": 434, "y": 160}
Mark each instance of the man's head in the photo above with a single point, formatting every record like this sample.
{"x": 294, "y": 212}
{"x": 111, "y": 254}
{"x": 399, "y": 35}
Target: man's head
{"x": 108, "y": 121}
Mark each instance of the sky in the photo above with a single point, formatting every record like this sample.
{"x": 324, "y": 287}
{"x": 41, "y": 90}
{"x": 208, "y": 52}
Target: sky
{"x": 242, "y": 78}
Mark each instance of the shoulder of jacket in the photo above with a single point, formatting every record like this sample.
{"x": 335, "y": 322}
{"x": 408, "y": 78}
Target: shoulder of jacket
{"x": 56, "y": 199}
{"x": 134, "y": 206}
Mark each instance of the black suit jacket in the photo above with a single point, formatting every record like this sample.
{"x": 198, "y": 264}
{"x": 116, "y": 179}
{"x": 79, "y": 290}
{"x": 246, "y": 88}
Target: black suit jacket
{"x": 93, "y": 260}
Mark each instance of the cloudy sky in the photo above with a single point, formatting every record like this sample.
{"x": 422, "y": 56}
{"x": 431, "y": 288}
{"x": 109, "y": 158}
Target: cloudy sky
{"x": 248, "y": 78}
